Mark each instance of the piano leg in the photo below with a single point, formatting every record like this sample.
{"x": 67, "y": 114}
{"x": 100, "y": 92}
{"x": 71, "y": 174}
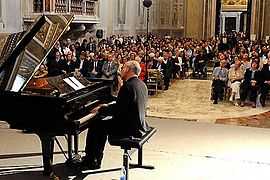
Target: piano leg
{"x": 73, "y": 158}
{"x": 76, "y": 157}
{"x": 69, "y": 139}
{"x": 76, "y": 144}
{"x": 47, "y": 144}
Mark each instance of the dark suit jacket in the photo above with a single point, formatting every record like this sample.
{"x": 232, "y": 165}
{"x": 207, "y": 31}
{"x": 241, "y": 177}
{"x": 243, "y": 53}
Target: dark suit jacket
{"x": 85, "y": 68}
{"x": 56, "y": 68}
{"x": 71, "y": 67}
{"x": 167, "y": 69}
{"x": 247, "y": 77}
{"x": 265, "y": 73}
{"x": 129, "y": 110}
{"x": 109, "y": 71}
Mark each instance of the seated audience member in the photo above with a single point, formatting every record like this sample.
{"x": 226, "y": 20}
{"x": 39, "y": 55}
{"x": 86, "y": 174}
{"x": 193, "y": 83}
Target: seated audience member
{"x": 82, "y": 64}
{"x": 265, "y": 72}
{"x": 245, "y": 62}
{"x": 251, "y": 84}
{"x": 128, "y": 116}
{"x": 56, "y": 65}
{"x": 151, "y": 60}
{"x": 220, "y": 75}
{"x": 42, "y": 72}
{"x": 109, "y": 68}
{"x": 236, "y": 75}
{"x": 93, "y": 68}
{"x": 71, "y": 64}
{"x": 143, "y": 68}
{"x": 100, "y": 64}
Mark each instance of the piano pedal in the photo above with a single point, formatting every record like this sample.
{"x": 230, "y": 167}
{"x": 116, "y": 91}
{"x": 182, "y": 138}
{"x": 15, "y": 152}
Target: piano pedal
{"x": 76, "y": 159}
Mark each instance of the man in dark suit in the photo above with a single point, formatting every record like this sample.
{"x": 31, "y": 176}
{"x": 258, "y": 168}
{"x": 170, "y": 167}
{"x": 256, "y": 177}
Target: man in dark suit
{"x": 56, "y": 65}
{"x": 82, "y": 64}
{"x": 265, "y": 72}
{"x": 109, "y": 68}
{"x": 166, "y": 67}
{"x": 128, "y": 116}
{"x": 250, "y": 84}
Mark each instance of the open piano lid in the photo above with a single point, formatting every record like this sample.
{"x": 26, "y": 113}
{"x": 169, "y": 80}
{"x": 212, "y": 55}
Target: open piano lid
{"x": 20, "y": 65}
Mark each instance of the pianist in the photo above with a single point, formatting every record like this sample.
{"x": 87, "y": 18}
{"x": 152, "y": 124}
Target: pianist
{"x": 128, "y": 116}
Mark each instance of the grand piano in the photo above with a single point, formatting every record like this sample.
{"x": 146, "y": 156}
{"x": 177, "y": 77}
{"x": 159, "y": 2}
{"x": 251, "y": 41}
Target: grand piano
{"x": 48, "y": 107}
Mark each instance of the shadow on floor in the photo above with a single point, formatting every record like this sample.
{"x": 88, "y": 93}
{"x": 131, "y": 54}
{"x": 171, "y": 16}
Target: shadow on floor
{"x": 26, "y": 172}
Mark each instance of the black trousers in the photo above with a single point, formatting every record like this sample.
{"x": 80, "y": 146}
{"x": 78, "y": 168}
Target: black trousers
{"x": 264, "y": 91}
{"x": 167, "y": 81}
{"x": 247, "y": 88}
{"x": 96, "y": 139}
{"x": 99, "y": 132}
{"x": 218, "y": 89}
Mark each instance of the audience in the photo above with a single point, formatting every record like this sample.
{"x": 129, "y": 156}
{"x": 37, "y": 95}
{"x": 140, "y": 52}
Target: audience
{"x": 240, "y": 64}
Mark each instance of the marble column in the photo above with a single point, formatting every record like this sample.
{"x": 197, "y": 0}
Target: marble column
{"x": 260, "y": 19}
{"x": 213, "y": 17}
{"x": 222, "y": 23}
{"x": 238, "y": 16}
{"x": 194, "y": 19}
{"x": 266, "y": 19}
{"x": 106, "y": 14}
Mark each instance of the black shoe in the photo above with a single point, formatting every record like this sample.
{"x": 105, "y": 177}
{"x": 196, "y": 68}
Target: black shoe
{"x": 51, "y": 175}
{"x": 88, "y": 164}
{"x": 47, "y": 173}
{"x": 263, "y": 103}
{"x": 215, "y": 102}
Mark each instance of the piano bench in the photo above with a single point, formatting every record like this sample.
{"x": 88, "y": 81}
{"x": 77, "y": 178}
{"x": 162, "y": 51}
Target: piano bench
{"x": 137, "y": 143}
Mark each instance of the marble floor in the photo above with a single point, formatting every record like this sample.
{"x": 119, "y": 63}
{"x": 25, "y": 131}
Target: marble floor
{"x": 180, "y": 150}
{"x": 190, "y": 99}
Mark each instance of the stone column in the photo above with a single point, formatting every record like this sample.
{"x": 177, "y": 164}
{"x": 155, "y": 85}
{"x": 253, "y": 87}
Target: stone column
{"x": 194, "y": 19}
{"x": 253, "y": 17}
{"x": 238, "y": 21}
{"x": 131, "y": 17}
{"x": 212, "y": 18}
{"x": 267, "y": 19}
{"x": 106, "y": 9}
{"x": 222, "y": 23}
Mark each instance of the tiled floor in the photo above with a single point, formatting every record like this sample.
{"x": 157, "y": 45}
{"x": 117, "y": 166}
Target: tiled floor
{"x": 190, "y": 99}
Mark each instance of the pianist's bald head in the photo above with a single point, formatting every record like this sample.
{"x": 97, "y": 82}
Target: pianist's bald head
{"x": 130, "y": 69}
{"x": 134, "y": 66}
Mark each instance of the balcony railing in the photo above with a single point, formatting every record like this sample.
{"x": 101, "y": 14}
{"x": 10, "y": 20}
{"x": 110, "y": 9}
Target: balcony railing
{"x": 61, "y": 6}
{"x": 77, "y": 7}
{"x": 90, "y": 8}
